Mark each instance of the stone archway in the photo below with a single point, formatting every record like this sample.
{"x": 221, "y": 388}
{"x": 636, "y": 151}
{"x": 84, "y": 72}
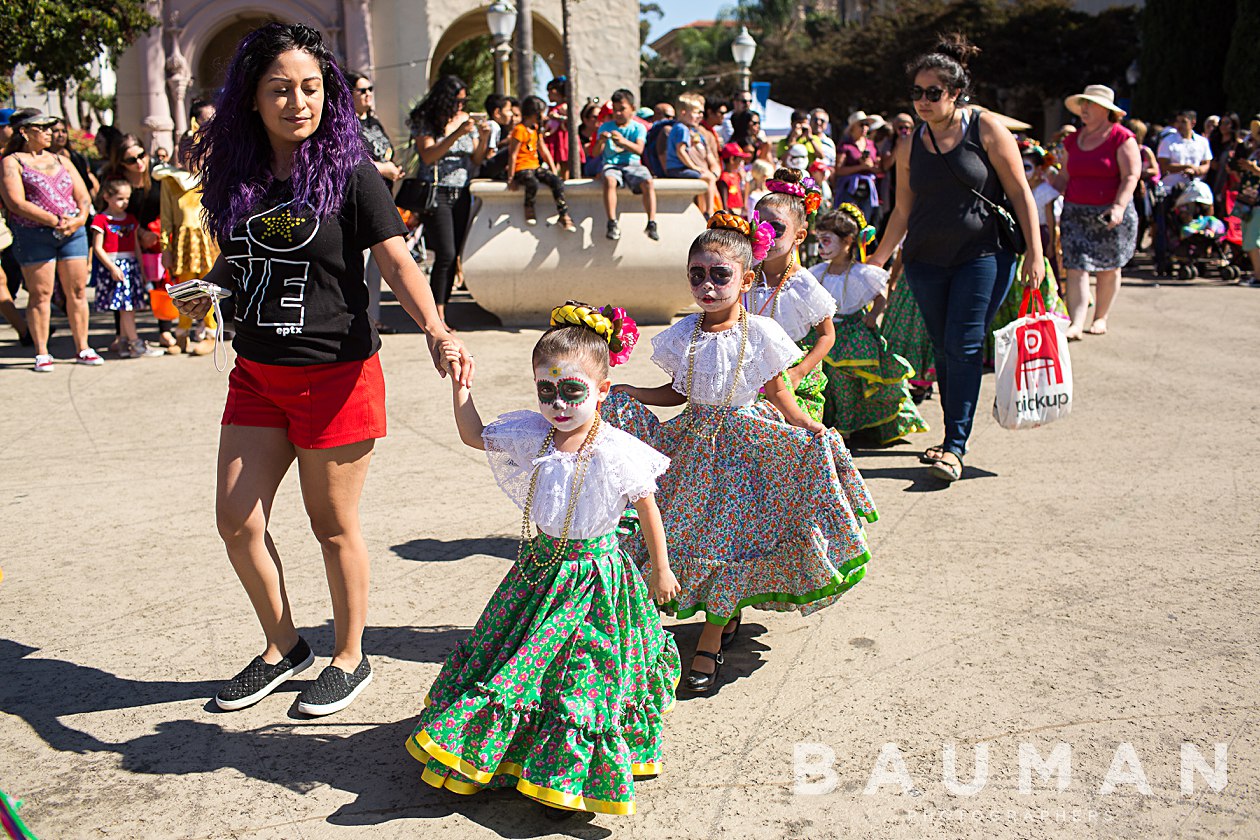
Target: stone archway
{"x": 216, "y": 54}
{"x": 548, "y": 44}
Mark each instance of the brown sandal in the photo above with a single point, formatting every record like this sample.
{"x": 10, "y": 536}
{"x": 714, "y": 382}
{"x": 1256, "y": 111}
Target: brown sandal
{"x": 946, "y": 470}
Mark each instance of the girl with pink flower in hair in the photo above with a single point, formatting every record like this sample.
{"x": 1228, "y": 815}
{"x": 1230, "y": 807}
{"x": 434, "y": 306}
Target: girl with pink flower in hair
{"x": 762, "y": 506}
{"x": 561, "y": 688}
{"x": 790, "y": 294}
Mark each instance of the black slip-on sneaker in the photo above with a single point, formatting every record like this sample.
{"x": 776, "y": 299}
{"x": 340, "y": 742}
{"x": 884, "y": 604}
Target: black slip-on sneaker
{"x": 334, "y": 690}
{"x": 260, "y": 679}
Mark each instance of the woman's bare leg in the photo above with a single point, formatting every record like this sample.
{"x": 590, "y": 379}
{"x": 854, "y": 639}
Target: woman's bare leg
{"x": 252, "y": 462}
{"x": 39, "y": 288}
{"x": 1108, "y": 288}
{"x": 332, "y": 482}
{"x": 1077, "y": 301}
{"x": 73, "y": 274}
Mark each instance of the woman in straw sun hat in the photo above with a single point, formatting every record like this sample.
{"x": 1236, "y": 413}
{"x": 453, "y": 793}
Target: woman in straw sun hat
{"x": 1099, "y": 223}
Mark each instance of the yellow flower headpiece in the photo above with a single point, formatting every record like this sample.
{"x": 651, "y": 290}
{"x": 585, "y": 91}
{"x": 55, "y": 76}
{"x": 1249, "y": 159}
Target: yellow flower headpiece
{"x": 611, "y": 323}
{"x": 866, "y": 233}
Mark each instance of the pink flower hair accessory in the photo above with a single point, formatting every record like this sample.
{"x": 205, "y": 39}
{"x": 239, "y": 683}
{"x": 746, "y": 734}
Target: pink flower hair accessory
{"x": 762, "y": 237}
{"x": 625, "y": 335}
{"x": 775, "y": 185}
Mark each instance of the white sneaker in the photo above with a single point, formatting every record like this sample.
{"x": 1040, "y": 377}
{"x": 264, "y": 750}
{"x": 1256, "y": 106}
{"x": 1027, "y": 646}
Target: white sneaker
{"x": 89, "y": 357}
{"x": 44, "y": 364}
{"x": 141, "y": 349}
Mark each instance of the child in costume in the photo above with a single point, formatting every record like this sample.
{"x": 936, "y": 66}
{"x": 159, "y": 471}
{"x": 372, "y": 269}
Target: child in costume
{"x": 188, "y": 250}
{"x": 787, "y": 292}
{"x": 560, "y": 689}
{"x": 117, "y": 271}
{"x": 761, "y": 504}
{"x": 866, "y": 382}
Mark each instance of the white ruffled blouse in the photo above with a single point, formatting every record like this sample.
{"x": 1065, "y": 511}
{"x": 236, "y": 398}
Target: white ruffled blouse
{"x": 623, "y": 470}
{"x": 852, "y": 289}
{"x": 770, "y": 352}
{"x": 802, "y": 304}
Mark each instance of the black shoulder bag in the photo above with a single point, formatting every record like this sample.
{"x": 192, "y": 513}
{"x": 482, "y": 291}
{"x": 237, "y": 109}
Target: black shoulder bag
{"x": 1010, "y": 234}
{"x": 415, "y": 193}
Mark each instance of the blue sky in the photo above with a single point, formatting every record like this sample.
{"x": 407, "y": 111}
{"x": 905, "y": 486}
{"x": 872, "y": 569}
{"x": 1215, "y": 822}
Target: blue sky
{"x": 678, "y": 12}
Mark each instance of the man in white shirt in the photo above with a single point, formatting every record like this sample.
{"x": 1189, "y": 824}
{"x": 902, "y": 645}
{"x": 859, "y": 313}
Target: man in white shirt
{"x": 1184, "y": 155}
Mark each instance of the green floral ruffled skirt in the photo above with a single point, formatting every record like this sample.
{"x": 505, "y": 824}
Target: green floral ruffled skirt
{"x": 867, "y": 385}
{"x": 561, "y": 688}
{"x": 907, "y": 335}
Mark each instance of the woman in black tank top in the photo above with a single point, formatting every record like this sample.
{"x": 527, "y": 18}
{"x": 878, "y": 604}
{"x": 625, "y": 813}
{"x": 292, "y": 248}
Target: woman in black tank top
{"x": 955, "y": 262}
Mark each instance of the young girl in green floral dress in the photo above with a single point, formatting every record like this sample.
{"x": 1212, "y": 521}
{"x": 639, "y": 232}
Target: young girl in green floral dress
{"x": 867, "y": 387}
{"x": 561, "y": 687}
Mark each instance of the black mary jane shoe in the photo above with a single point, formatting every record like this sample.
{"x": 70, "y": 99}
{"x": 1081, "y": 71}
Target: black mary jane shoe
{"x": 557, "y": 814}
{"x": 728, "y": 632}
{"x": 701, "y": 683}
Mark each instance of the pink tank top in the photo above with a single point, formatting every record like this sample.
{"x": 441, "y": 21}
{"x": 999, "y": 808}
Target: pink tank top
{"x": 54, "y": 193}
{"x": 1094, "y": 175}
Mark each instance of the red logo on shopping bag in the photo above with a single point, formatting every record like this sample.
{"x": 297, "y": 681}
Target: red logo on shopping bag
{"x": 1038, "y": 355}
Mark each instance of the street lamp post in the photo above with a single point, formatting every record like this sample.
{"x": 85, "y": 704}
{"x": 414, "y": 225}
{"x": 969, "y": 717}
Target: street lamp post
{"x": 743, "y": 48}
{"x": 501, "y": 18}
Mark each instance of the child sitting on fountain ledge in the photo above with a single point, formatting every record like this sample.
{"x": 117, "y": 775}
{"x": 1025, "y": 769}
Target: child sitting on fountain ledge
{"x": 620, "y": 141}
{"x": 525, "y": 158}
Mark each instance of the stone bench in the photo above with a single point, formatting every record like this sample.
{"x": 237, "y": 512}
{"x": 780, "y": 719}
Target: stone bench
{"x": 519, "y": 272}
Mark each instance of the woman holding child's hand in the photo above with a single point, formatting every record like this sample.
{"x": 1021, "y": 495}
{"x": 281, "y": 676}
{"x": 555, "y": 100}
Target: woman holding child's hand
{"x": 289, "y": 203}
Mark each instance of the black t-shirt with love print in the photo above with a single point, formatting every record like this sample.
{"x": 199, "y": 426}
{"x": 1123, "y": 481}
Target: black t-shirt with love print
{"x": 298, "y": 293}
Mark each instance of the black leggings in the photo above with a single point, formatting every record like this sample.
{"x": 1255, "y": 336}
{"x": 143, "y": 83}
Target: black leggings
{"x": 529, "y": 178}
{"x": 445, "y": 229}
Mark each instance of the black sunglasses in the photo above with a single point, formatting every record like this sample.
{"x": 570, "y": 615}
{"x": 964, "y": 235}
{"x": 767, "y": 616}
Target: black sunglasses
{"x": 933, "y": 93}
{"x": 779, "y": 228}
{"x": 367, "y": 89}
{"x": 137, "y": 157}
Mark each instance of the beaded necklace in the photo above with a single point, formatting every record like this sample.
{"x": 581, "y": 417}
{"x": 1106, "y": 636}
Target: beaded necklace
{"x": 691, "y": 365}
{"x": 774, "y": 298}
{"x": 584, "y": 455}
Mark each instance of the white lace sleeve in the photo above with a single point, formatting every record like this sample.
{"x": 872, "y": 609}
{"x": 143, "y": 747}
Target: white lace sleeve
{"x": 634, "y": 465}
{"x": 873, "y": 279}
{"x": 770, "y": 351}
{"x": 512, "y": 443}
{"x": 803, "y": 304}
{"x": 669, "y": 347}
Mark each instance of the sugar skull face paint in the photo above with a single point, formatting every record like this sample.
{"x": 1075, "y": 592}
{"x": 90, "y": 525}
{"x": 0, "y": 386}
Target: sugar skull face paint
{"x": 785, "y": 241}
{"x": 716, "y": 280}
{"x": 830, "y": 245}
{"x": 567, "y": 396}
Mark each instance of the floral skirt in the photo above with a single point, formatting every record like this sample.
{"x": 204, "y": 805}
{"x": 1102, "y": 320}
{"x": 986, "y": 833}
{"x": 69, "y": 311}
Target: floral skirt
{"x": 1009, "y": 310}
{"x": 127, "y": 295}
{"x": 907, "y": 335}
{"x": 1089, "y": 245}
{"x": 757, "y": 513}
{"x": 561, "y": 688}
{"x": 866, "y": 385}
{"x": 809, "y": 393}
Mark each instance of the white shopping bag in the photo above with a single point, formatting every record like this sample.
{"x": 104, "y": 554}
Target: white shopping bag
{"x": 1034, "y": 371}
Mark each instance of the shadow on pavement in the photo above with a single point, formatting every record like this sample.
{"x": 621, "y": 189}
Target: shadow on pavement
{"x": 743, "y": 656}
{"x": 407, "y": 643}
{"x": 429, "y": 550}
{"x": 919, "y": 479}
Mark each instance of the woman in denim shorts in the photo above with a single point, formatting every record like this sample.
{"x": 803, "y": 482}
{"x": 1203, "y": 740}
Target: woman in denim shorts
{"x": 48, "y": 207}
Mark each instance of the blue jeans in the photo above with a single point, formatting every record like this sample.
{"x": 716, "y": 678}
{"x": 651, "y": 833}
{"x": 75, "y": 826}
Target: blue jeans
{"x": 958, "y": 304}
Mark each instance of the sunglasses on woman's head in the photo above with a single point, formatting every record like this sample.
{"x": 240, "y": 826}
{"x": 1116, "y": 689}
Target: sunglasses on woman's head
{"x": 933, "y": 93}
{"x": 138, "y": 156}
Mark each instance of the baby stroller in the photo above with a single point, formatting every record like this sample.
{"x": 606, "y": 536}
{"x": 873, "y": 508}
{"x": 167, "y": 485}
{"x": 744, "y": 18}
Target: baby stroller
{"x": 1200, "y": 242}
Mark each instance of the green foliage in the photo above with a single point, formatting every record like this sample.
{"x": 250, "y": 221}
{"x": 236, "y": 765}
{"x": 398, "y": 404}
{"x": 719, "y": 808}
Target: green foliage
{"x": 472, "y": 61}
{"x": 1242, "y": 69}
{"x": 1183, "y": 55}
{"x": 646, "y": 12}
{"x": 58, "y": 40}
{"x": 705, "y": 53}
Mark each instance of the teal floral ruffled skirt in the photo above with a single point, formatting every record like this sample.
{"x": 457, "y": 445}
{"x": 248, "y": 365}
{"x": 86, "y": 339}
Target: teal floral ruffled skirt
{"x": 560, "y": 690}
{"x": 756, "y": 512}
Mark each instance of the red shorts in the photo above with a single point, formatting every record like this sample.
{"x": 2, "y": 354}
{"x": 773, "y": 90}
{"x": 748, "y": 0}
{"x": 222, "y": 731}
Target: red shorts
{"x": 321, "y": 406}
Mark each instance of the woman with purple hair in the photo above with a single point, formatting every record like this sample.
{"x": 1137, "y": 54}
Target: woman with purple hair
{"x": 293, "y": 199}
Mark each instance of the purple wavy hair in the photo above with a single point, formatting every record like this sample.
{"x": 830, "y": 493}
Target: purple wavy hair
{"x": 234, "y": 153}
